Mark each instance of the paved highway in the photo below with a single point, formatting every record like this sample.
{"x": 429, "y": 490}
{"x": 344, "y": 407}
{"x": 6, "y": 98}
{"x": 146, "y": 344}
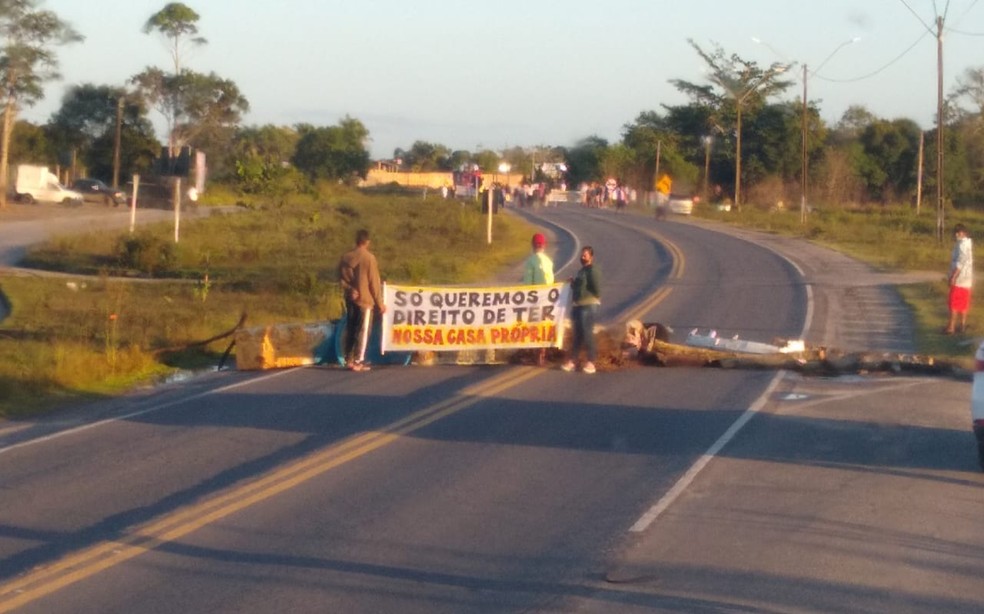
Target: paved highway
{"x": 498, "y": 489}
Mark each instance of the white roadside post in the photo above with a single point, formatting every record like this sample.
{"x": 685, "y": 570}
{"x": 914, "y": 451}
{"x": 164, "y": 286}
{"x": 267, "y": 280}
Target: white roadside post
{"x": 488, "y": 202}
{"x": 977, "y": 402}
{"x": 177, "y": 207}
{"x": 133, "y": 203}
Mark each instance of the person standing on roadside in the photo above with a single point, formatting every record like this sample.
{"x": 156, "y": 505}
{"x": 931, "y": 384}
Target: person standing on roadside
{"x": 961, "y": 279}
{"x": 358, "y": 276}
{"x": 539, "y": 270}
{"x": 585, "y": 299}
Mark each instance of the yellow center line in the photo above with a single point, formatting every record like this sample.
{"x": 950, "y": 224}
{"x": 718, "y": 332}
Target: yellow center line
{"x": 676, "y": 272}
{"x": 89, "y": 561}
{"x": 103, "y": 555}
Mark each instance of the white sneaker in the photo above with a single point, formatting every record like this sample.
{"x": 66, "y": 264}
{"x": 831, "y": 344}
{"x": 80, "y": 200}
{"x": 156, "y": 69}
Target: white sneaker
{"x": 589, "y": 368}
{"x": 567, "y": 366}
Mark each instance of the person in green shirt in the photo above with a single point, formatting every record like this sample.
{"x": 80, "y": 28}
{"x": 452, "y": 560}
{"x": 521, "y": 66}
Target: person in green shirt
{"x": 539, "y": 270}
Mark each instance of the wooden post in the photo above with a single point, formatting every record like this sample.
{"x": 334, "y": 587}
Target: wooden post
{"x": 133, "y": 203}
{"x": 919, "y": 171}
{"x": 116, "y": 143}
{"x": 489, "y": 199}
{"x": 176, "y": 197}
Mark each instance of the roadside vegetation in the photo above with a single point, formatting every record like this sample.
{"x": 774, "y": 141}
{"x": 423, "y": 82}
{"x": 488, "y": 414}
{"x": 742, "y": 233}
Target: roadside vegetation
{"x": 70, "y": 337}
{"x": 274, "y": 258}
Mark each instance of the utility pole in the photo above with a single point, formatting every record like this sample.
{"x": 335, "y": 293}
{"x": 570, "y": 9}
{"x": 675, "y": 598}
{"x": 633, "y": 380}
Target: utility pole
{"x": 707, "y": 165}
{"x": 116, "y": 144}
{"x": 919, "y": 174}
{"x": 803, "y": 173}
{"x": 939, "y": 129}
{"x": 659, "y": 146}
{"x": 805, "y": 154}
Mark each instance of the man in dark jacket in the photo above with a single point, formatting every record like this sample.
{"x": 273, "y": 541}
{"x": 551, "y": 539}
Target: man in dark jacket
{"x": 585, "y": 299}
{"x": 358, "y": 275}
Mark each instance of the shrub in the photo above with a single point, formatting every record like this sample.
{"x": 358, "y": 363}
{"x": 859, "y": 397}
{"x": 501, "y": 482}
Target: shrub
{"x": 145, "y": 253}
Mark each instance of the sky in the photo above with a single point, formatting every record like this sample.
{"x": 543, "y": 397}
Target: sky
{"x": 507, "y": 73}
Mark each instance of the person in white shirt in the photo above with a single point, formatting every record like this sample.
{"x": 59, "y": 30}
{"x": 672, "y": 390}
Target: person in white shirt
{"x": 961, "y": 279}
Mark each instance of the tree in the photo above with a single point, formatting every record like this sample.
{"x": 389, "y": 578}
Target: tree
{"x": 261, "y": 157}
{"x": 965, "y": 152}
{"x": 488, "y": 161}
{"x": 27, "y": 61}
{"x": 675, "y": 138}
{"x": 970, "y": 88}
{"x": 742, "y": 83}
{"x": 212, "y": 108}
{"x": 458, "y": 158}
{"x": 520, "y": 160}
{"x": 584, "y": 160}
{"x": 774, "y": 143}
{"x": 198, "y": 109}
{"x": 272, "y": 144}
{"x": 30, "y": 143}
{"x": 426, "y": 157}
{"x": 176, "y": 24}
{"x": 851, "y": 124}
{"x": 139, "y": 147}
{"x": 334, "y": 152}
{"x": 620, "y": 162}
{"x": 89, "y": 114}
{"x": 195, "y": 106}
{"x": 887, "y": 160}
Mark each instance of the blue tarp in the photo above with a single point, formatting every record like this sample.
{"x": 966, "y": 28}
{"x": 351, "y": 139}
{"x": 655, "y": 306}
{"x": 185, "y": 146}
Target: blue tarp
{"x": 331, "y": 351}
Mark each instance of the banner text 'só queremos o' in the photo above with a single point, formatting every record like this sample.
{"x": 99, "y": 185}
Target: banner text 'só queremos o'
{"x": 453, "y": 319}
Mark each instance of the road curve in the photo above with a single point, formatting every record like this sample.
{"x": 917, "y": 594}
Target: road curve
{"x": 404, "y": 489}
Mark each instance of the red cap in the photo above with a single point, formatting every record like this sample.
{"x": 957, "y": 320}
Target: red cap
{"x": 539, "y": 240}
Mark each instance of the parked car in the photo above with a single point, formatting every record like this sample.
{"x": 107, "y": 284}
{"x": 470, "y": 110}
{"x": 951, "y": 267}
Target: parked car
{"x": 93, "y": 190}
{"x": 681, "y": 204}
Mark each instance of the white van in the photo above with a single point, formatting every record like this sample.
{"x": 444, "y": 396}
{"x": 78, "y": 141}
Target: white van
{"x": 38, "y": 184}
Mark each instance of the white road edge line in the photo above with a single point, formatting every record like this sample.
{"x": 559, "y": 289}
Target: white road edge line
{"x": 667, "y": 500}
{"x": 576, "y": 256}
{"x": 142, "y": 412}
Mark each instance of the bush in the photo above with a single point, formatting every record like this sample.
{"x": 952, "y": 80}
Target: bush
{"x": 146, "y": 254}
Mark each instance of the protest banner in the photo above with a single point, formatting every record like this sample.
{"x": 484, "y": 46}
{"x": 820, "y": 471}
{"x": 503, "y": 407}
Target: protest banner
{"x": 453, "y": 319}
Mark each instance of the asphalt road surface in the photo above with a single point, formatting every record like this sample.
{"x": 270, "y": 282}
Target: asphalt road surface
{"x": 24, "y": 225}
{"x": 513, "y": 489}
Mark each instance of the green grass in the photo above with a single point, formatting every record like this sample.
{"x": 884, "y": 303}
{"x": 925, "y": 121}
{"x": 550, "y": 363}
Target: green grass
{"x": 71, "y": 338}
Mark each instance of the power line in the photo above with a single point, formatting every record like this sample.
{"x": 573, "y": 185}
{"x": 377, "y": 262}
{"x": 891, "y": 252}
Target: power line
{"x": 967, "y": 11}
{"x": 886, "y": 66}
{"x": 964, "y": 14}
{"x": 963, "y": 32}
{"x": 916, "y": 15}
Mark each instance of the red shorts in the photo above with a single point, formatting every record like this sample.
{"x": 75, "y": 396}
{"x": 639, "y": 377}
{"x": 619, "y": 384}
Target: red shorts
{"x": 959, "y": 299}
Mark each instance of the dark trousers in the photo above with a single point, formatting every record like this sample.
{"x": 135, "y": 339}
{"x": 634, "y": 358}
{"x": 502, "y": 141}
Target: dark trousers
{"x": 357, "y": 326}
{"x": 583, "y": 318}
